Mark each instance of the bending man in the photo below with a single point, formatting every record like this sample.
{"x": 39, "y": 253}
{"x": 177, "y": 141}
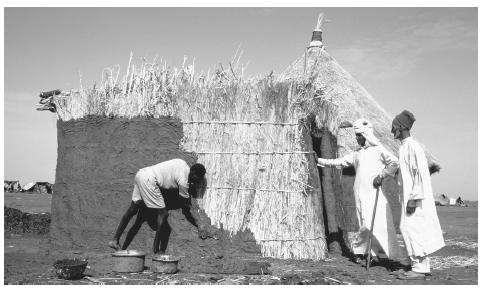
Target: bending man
{"x": 372, "y": 163}
{"x": 419, "y": 223}
{"x": 171, "y": 176}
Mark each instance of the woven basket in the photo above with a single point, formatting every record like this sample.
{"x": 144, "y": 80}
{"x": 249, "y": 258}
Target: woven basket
{"x": 70, "y": 269}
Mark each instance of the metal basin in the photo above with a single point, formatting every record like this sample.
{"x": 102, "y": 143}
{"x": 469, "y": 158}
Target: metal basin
{"x": 165, "y": 264}
{"x": 128, "y": 261}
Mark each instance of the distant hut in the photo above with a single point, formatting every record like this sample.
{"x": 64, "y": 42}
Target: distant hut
{"x": 460, "y": 202}
{"x": 442, "y": 200}
{"x": 256, "y": 137}
{"x": 452, "y": 201}
{"x": 38, "y": 187}
{"x": 11, "y": 186}
{"x": 43, "y": 188}
{"x": 28, "y": 187}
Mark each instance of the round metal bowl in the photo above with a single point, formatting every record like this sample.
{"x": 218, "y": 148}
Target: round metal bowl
{"x": 70, "y": 269}
{"x": 128, "y": 261}
{"x": 165, "y": 264}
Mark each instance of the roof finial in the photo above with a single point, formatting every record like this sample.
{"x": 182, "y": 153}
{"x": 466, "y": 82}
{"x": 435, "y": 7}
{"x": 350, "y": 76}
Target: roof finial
{"x": 316, "y": 40}
{"x": 320, "y": 22}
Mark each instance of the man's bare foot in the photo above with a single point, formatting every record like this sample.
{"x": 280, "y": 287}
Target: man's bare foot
{"x": 357, "y": 258}
{"x": 114, "y": 245}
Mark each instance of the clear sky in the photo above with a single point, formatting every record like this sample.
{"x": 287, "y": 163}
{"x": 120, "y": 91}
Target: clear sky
{"x": 420, "y": 59}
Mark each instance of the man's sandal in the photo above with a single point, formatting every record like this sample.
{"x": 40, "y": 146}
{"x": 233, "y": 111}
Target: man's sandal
{"x": 398, "y": 272}
{"x": 410, "y": 275}
{"x": 358, "y": 259}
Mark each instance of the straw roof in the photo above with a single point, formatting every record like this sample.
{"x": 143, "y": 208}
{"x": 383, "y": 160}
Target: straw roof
{"x": 347, "y": 99}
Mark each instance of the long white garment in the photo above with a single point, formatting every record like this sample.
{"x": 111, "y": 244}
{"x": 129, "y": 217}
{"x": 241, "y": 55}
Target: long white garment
{"x": 370, "y": 162}
{"x": 421, "y": 230}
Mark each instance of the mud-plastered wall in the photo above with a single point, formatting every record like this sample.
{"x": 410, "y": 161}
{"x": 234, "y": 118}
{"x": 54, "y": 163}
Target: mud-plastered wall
{"x": 97, "y": 161}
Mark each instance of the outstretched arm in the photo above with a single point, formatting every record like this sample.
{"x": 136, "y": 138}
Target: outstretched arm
{"x": 338, "y": 163}
{"x": 191, "y": 211}
{"x": 186, "y": 206}
{"x": 186, "y": 210}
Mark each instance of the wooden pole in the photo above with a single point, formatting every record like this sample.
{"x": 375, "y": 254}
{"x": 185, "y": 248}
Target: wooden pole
{"x": 369, "y": 247}
{"x": 328, "y": 187}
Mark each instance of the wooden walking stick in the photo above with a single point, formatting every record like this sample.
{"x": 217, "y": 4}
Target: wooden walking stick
{"x": 369, "y": 248}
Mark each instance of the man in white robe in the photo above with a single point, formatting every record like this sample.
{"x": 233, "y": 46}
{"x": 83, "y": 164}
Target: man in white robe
{"x": 419, "y": 223}
{"x": 372, "y": 163}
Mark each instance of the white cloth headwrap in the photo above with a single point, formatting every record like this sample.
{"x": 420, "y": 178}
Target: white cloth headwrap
{"x": 365, "y": 127}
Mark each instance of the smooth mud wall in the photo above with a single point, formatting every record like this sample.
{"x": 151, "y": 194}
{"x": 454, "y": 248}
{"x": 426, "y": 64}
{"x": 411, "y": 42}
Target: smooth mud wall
{"x": 97, "y": 161}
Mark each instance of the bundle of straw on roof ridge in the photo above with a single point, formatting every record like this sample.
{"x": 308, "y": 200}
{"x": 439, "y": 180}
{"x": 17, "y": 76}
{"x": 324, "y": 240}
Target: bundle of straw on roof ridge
{"x": 153, "y": 90}
{"x": 147, "y": 91}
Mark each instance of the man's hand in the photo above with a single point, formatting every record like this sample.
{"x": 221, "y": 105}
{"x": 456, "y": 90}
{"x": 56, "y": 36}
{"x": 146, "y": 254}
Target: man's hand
{"x": 377, "y": 182}
{"x": 411, "y": 206}
{"x": 318, "y": 162}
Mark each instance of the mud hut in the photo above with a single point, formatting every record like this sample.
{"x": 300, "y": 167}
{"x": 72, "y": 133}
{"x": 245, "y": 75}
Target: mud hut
{"x": 43, "y": 188}
{"x": 249, "y": 133}
{"x": 256, "y": 137}
{"x": 11, "y": 186}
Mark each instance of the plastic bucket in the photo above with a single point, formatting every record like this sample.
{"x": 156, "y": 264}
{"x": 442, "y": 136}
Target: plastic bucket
{"x": 126, "y": 261}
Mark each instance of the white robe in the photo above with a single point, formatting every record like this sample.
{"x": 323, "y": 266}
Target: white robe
{"x": 370, "y": 162}
{"x": 421, "y": 230}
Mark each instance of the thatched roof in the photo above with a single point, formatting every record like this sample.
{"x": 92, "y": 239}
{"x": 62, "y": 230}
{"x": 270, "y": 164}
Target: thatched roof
{"x": 347, "y": 99}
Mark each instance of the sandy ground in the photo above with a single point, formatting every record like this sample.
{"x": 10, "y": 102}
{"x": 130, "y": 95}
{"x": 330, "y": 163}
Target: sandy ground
{"x": 28, "y": 259}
